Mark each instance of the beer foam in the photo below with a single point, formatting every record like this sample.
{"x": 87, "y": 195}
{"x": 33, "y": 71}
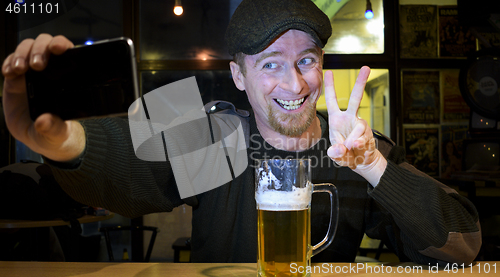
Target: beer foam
{"x": 271, "y": 200}
{"x": 276, "y": 200}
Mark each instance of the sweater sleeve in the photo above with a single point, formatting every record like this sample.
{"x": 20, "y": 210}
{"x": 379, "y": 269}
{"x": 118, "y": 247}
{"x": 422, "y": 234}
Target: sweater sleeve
{"x": 433, "y": 223}
{"x": 109, "y": 174}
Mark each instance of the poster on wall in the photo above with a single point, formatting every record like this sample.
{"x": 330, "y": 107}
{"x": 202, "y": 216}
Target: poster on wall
{"x": 421, "y": 97}
{"x": 489, "y": 37}
{"x": 454, "y": 39}
{"x": 454, "y": 106}
{"x": 418, "y": 31}
{"x": 422, "y": 149}
{"x": 452, "y": 137}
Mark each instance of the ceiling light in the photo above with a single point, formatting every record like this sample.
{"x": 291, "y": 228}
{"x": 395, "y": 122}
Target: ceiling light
{"x": 178, "y": 10}
{"x": 369, "y": 11}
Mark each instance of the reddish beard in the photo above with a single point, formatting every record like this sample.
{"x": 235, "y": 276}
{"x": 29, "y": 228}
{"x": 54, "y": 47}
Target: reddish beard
{"x": 291, "y": 125}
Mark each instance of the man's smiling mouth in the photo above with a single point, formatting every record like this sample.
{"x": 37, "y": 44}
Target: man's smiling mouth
{"x": 290, "y": 104}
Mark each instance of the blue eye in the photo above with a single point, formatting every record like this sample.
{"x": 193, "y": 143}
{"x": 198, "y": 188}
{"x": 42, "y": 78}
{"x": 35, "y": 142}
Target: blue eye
{"x": 306, "y": 61}
{"x": 271, "y": 65}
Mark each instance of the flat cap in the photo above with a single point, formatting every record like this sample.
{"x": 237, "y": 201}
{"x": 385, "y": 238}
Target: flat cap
{"x": 256, "y": 23}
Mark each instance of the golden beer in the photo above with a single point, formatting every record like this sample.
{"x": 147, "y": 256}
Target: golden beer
{"x": 284, "y": 239}
{"x": 283, "y": 192}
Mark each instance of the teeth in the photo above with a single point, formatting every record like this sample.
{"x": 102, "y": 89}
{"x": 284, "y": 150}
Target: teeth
{"x": 292, "y": 104}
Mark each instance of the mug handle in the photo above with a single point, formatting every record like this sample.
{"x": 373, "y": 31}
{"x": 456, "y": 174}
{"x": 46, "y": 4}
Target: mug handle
{"x": 327, "y": 240}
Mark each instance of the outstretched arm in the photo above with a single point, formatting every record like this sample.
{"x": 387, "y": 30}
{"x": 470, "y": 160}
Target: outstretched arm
{"x": 431, "y": 221}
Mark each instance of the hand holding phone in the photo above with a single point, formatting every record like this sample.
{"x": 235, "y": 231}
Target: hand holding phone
{"x": 85, "y": 81}
{"x": 47, "y": 135}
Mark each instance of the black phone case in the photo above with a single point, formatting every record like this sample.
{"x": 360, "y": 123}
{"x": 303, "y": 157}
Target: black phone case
{"x": 87, "y": 81}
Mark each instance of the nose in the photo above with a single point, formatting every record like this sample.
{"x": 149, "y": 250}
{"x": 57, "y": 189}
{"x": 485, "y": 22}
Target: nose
{"x": 293, "y": 81}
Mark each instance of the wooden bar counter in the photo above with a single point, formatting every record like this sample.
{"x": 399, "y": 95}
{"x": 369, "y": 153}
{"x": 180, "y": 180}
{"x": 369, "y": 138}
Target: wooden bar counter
{"x": 58, "y": 269}
{"x": 19, "y": 223}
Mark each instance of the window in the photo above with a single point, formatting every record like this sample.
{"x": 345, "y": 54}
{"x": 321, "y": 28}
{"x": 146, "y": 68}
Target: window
{"x": 352, "y": 32}
{"x": 197, "y": 34}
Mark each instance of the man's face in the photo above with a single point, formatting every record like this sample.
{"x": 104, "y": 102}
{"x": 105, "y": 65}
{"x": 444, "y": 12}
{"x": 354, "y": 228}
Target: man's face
{"x": 283, "y": 83}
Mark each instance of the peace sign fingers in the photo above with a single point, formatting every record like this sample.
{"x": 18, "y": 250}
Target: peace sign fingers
{"x": 330, "y": 95}
{"x": 357, "y": 91}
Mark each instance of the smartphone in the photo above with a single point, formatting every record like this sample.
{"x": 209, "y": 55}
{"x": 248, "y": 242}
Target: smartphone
{"x": 86, "y": 81}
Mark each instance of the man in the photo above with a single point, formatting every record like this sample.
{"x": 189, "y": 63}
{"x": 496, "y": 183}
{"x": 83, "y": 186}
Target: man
{"x": 278, "y": 63}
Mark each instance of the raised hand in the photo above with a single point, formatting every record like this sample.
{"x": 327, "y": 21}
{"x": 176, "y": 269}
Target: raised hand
{"x": 353, "y": 144}
{"x": 48, "y": 134}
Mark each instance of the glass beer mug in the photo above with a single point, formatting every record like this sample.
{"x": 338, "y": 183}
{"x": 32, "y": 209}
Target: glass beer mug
{"x": 283, "y": 192}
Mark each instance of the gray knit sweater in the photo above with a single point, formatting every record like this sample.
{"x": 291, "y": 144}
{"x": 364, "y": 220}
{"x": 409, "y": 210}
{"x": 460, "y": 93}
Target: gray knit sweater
{"x": 420, "y": 219}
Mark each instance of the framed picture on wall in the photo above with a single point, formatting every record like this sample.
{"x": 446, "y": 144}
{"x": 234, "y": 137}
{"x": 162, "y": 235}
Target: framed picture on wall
{"x": 455, "y": 109}
{"x": 452, "y": 138}
{"x": 422, "y": 149}
{"x": 421, "y": 97}
{"x": 418, "y": 31}
{"x": 455, "y": 40}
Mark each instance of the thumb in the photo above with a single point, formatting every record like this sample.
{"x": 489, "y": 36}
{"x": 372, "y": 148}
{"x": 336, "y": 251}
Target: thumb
{"x": 56, "y": 139}
{"x": 52, "y": 127}
{"x": 336, "y": 151}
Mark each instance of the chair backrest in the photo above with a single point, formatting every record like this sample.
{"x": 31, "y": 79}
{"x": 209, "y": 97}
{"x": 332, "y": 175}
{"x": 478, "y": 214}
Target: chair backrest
{"x": 106, "y": 230}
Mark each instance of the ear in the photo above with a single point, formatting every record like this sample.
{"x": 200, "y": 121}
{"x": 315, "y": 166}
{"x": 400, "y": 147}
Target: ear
{"x": 238, "y": 77}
